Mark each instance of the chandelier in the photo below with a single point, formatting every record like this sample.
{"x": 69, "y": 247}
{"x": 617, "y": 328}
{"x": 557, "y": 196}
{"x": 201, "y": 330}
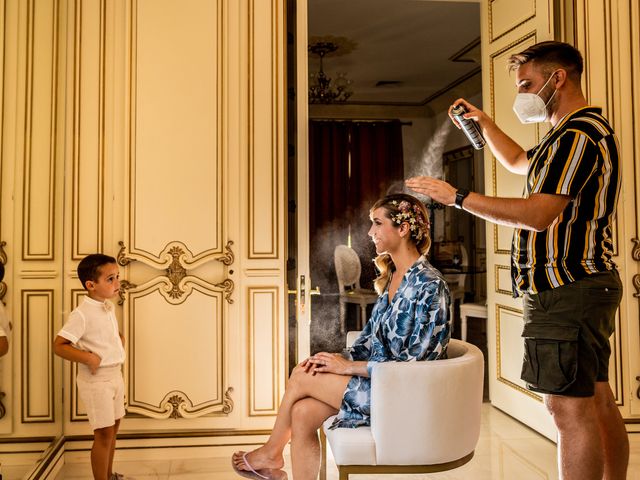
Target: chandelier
{"x": 321, "y": 89}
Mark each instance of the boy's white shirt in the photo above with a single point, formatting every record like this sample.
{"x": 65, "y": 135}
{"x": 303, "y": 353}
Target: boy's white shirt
{"x": 5, "y": 328}
{"x": 92, "y": 327}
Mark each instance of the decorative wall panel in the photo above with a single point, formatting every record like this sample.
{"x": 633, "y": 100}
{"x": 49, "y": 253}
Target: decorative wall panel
{"x": 505, "y": 183}
{"x": 77, "y": 411}
{"x": 265, "y": 109}
{"x": 37, "y": 357}
{"x": 264, "y": 350}
{"x": 163, "y": 381}
{"x": 510, "y": 347}
{"x": 175, "y": 161}
{"x": 88, "y": 141}
{"x": 39, "y": 161}
{"x": 503, "y": 280}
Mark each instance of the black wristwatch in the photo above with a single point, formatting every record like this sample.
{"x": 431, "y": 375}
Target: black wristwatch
{"x": 461, "y": 194}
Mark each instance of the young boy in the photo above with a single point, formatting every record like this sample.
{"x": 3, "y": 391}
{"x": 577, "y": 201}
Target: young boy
{"x": 5, "y": 326}
{"x": 91, "y": 338}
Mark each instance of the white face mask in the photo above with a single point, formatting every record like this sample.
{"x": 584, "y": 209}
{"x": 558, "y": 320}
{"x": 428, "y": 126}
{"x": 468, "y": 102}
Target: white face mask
{"x": 530, "y": 108}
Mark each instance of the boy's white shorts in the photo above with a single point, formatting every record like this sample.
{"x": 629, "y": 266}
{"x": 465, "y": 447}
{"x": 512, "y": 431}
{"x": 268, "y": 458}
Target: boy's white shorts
{"x": 102, "y": 395}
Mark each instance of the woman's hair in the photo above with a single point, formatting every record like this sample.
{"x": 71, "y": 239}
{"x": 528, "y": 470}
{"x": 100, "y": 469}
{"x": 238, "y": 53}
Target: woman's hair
{"x": 402, "y": 208}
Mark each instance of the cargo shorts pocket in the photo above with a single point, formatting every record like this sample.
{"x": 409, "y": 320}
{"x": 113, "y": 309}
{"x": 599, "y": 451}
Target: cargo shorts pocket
{"x": 550, "y": 360}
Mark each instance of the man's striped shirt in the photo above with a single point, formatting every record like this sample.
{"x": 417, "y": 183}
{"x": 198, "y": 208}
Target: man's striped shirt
{"x": 577, "y": 158}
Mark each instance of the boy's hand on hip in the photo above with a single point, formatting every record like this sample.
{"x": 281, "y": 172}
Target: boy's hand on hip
{"x": 93, "y": 362}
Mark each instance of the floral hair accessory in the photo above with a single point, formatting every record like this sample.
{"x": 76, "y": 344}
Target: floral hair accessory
{"x": 411, "y": 214}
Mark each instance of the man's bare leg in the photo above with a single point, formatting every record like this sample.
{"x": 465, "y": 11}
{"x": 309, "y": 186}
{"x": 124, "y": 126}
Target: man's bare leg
{"x": 613, "y": 433}
{"x": 580, "y": 455}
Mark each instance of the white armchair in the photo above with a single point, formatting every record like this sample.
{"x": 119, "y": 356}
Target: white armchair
{"x": 425, "y": 417}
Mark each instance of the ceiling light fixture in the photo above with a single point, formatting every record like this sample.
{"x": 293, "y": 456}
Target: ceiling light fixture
{"x": 321, "y": 90}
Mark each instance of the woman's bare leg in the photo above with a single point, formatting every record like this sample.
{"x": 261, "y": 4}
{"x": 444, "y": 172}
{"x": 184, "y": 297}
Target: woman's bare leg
{"x": 325, "y": 387}
{"x": 307, "y": 416}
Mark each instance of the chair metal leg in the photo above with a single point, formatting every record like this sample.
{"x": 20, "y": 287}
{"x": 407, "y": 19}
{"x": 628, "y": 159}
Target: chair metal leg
{"x": 343, "y": 316}
{"x": 363, "y": 316}
{"x": 452, "y": 306}
{"x": 463, "y": 326}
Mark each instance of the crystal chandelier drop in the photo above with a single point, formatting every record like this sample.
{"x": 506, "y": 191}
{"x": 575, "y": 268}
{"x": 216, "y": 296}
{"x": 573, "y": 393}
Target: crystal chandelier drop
{"x": 321, "y": 89}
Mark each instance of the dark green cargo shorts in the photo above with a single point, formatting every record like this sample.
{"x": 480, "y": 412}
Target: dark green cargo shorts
{"x": 566, "y": 335}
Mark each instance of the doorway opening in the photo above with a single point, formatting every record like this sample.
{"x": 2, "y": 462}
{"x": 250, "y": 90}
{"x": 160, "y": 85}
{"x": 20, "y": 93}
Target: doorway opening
{"x": 382, "y": 64}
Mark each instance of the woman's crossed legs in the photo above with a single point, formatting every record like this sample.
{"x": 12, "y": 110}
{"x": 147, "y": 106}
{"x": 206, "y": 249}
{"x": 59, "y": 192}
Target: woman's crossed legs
{"x": 308, "y": 400}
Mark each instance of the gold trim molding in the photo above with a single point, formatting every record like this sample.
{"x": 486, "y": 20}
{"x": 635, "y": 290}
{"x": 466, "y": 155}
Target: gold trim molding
{"x": 635, "y": 254}
{"x": 176, "y": 272}
{"x": 176, "y": 404}
{"x": 3, "y": 261}
{"x": 124, "y": 286}
{"x": 168, "y": 256}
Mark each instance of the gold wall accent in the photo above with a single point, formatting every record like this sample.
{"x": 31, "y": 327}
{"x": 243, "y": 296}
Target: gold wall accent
{"x": 177, "y": 404}
{"x": 3, "y": 257}
{"x": 228, "y": 258}
{"x": 122, "y": 258}
{"x": 40, "y": 131}
{"x": 37, "y": 358}
{"x": 176, "y": 272}
{"x": 635, "y": 254}
{"x": 124, "y": 286}
{"x": 264, "y": 350}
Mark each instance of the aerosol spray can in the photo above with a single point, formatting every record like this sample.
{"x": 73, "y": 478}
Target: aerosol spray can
{"x": 469, "y": 127}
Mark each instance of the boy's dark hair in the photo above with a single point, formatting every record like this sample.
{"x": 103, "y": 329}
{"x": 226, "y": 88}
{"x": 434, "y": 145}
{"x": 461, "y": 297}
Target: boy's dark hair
{"x": 1, "y": 271}
{"x": 552, "y": 55}
{"x": 89, "y": 267}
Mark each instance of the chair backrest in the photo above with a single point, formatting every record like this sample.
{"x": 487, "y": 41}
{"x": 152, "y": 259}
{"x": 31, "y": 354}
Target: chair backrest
{"x": 427, "y": 412}
{"x": 348, "y": 268}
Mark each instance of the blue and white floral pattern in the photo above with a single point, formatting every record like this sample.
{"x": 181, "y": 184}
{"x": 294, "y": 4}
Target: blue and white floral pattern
{"x": 414, "y": 326}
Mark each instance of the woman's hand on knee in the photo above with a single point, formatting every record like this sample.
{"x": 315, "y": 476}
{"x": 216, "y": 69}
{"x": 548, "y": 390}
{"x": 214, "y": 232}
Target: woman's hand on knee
{"x": 324, "y": 362}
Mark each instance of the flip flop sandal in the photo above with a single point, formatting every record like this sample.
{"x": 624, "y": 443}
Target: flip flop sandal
{"x": 251, "y": 473}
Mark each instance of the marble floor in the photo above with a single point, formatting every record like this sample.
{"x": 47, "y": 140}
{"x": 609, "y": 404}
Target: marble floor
{"x": 506, "y": 450}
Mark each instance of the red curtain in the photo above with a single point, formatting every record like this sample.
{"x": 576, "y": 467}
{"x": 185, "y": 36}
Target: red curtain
{"x": 339, "y": 200}
{"x": 328, "y": 185}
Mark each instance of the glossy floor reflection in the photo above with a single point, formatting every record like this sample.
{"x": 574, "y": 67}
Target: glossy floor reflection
{"x": 506, "y": 450}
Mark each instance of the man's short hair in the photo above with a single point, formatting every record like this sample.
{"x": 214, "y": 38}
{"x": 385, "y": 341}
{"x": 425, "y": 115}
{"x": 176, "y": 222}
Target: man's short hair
{"x": 89, "y": 267}
{"x": 553, "y": 55}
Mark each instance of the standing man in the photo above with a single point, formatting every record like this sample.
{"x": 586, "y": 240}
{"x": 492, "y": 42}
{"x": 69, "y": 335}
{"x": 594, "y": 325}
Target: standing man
{"x": 561, "y": 253}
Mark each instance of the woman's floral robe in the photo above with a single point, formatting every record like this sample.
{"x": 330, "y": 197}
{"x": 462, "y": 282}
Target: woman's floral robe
{"x": 414, "y": 326}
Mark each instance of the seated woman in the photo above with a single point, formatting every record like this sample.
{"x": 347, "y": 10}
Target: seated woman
{"x": 409, "y": 322}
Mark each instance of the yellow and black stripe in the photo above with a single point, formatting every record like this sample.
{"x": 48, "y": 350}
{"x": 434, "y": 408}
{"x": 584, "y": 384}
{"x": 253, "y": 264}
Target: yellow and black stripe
{"x": 578, "y": 158}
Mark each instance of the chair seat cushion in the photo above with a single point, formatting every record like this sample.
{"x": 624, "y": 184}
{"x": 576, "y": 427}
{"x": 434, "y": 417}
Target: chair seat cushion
{"x": 351, "y": 446}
